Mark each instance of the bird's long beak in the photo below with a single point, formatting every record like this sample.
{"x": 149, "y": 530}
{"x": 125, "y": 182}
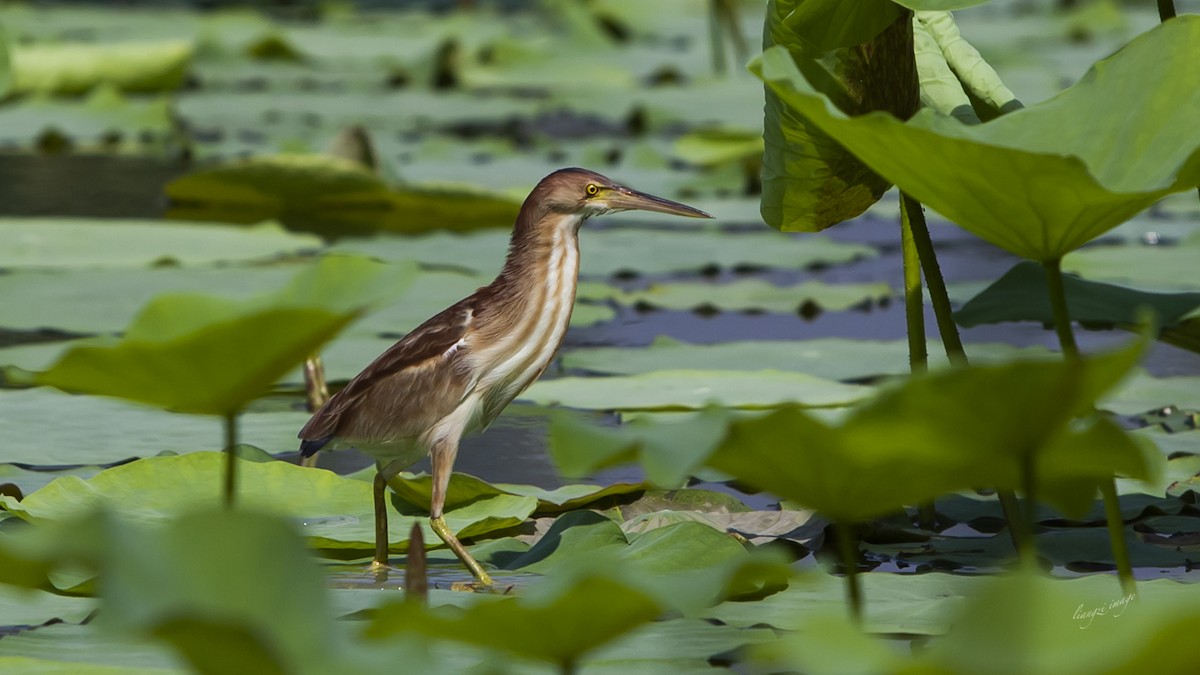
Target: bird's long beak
{"x": 623, "y": 198}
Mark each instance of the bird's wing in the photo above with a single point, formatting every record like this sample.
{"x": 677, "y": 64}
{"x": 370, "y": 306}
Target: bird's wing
{"x": 416, "y": 382}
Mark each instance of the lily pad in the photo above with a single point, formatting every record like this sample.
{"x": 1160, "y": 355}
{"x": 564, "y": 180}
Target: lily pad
{"x": 105, "y": 121}
{"x": 77, "y": 68}
{"x": 833, "y": 358}
{"x": 1021, "y": 295}
{"x": 176, "y": 353}
{"x": 465, "y": 489}
{"x": 333, "y": 512}
{"x": 1161, "y": 266}
{"x": 692, "y": 390}
{"x": 624, "y": 251}
{"x": 753, "y": 294}
{"x": 45, "y": 427}
{"x": 977, "y": 175}
{"x": 38, "y": 242}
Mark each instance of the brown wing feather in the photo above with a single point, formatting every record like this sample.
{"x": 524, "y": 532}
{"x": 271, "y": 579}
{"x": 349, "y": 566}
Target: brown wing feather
{"x": 417, "y": 381}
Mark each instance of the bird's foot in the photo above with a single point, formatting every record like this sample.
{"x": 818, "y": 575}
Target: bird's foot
{"x": 475, "y": 586}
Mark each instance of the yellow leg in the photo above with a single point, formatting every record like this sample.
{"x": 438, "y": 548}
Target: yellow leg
{"x": 381, "y": 527}
{"x": 443, "y": 531}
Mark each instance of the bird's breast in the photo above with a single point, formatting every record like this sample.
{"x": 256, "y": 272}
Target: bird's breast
{"x": 514, "y": 357}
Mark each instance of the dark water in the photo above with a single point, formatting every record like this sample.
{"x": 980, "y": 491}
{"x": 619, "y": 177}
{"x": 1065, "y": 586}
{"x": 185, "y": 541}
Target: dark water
{"x": 513, "y": 450}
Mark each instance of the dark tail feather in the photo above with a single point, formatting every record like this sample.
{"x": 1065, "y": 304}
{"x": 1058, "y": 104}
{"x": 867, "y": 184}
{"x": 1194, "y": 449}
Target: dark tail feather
{"x": 310, "y": 448}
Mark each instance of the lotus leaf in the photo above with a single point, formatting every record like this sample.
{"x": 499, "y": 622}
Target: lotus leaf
{"x": 335, "y": 512}
{"x": 1021, "y": 295}
{"x": 754, "y": 294}
{"x": 979, "y": 175}
{"x": 1160, "y": 267}
{"x": 465, "y": 489}
{"x": 693, "y": 389}
{"x": 177, "y": 352}
{"x": 77, "y": 68}
{"x": 39, "y": 242}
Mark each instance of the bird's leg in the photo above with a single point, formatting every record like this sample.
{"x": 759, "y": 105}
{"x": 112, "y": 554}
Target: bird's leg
{"x": 381, "y": 527}
{"x": 442, "y": 460}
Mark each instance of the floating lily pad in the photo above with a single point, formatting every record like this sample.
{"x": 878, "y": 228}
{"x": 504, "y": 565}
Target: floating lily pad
{"x": 1021, "y": 295}
{"x": 1160, "y": 266}
{"x": 465, "y": 489}
{"x": 38, "y": 242}
{"x": 44, "y": 427}
{"x": 334, "y": 512}
{"x": 833, "y": 358}
{"x": 692, "y": 390}
{"x": 176, "y": 354}
{"x": 612, "y": 251}
{"x": 77, "y": 68}
{"x": 977, "y": 175}
{"x": 104, "y": 120}
{"x": 753, "y": 294}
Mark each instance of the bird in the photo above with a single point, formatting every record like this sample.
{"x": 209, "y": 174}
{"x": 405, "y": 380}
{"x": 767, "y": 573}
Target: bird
{"x": 455, "y": 373}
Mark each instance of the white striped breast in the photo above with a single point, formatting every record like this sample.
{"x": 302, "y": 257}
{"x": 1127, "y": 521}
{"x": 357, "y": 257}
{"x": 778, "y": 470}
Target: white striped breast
{"x": 518, "y": 365}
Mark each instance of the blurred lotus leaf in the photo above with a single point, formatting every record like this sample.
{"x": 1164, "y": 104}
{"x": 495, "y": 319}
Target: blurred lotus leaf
{"x": 77, "y": 68}
{"x": 1088, "y": 180}
{"x": 208, "y": 355}
{"x": 331, "y": 196}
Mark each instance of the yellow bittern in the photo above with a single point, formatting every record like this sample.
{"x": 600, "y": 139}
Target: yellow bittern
{"x": 454, "y": 373}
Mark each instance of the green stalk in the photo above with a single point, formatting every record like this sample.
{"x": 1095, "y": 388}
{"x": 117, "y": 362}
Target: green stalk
{"x": 848, "y": 551}
{"x": 1108, "y": 488}
{"x": 1166, "y": 9}
{"x": 933, "y": 277}
{"x": 914, "y": 318}
{"x": 1028, "y": 550}
{"x": 715, "y": 43}
{"x": 231, "y": 438}
{"x": 1022, "y": 538}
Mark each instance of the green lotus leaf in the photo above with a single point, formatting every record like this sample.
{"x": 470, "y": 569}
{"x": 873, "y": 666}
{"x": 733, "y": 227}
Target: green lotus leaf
{"x": 560, "y": 626}
{"x": 823, "y": 25}
{"x": 979, "y": 175}
{"x": 105, "y": 120}
{"x": 1021, "y": 295}
{"x": 77, "y": 68}
{"x": 331, "y": 196}
{"x": 938, "y": 5}
{"x": 1160, "y": 267}
{"x": 935, "y": 434}
{"x": 754, "y": 294}
{"x": 6, "y": 74}
{"x": 714, "y": 147}
{"x": 465, "y": 489}
{"x": 70, "y": 242}
{"x": 832, "y": 358}
{"x": 976, "y": 75}
{"x": 1068, "y": 626}
{"x": 179, "y": 351}
{"x": 336, "y": 512}
{"x": 607, "y": 252}
{"x": 693, "y": 389}
{"x": 46, "y": 427}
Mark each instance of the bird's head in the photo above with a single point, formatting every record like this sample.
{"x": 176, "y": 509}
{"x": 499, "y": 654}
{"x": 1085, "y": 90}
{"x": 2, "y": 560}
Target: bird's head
{"x": 579, "y": 192}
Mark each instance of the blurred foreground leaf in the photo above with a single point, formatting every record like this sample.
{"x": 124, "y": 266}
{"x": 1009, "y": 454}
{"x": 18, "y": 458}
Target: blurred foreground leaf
{"x": 208, "y": 355}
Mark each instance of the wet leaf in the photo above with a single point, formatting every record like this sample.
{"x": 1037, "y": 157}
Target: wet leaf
{"x": 976, "y": 175}
{"x": 176, "y": 353}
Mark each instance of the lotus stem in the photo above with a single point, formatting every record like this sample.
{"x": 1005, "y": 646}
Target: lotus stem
{"x": 848, "y": 551}
{"x": 1116, "y": 534}
{"x": 316, "y": 393}
{"x": 416, "y": 578}
{"x": 1166, "y": 9}
{"x": 1028, "y": 547}
{"x": 914, "y": 318}
{"x": 1108, "y": 487}
{"x": 231, "y": 439}
{"x": 1021, "y": 538}
{"x": 715, "y": 42}
{"x": 933, "y": 277}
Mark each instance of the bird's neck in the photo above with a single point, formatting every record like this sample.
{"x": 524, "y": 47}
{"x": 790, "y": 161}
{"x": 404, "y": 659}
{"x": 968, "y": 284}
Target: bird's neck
{"x": 540, "y": 238}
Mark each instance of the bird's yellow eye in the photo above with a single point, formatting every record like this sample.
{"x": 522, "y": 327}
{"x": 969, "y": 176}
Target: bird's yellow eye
{"x": 592, "y": 190}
